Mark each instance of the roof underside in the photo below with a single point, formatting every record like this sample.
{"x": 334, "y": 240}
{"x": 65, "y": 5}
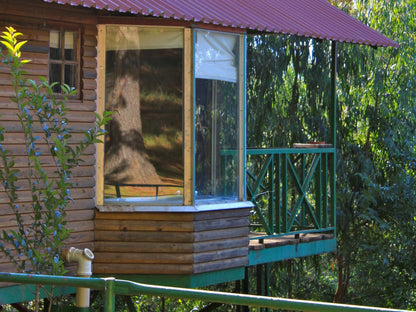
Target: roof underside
{"x": 309, "y": 18}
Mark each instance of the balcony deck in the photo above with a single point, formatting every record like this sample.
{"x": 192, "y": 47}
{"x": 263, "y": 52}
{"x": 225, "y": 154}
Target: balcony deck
{"x": 278, "y": 248}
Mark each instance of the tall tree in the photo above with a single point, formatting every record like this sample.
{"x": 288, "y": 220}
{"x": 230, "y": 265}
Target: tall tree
{"x": 376, "y": 180}
{"x": 377, "y": 143}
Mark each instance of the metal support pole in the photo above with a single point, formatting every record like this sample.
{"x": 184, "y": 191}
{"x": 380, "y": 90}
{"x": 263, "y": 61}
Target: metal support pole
{"x": 246, "y": 287}
{"x": 333, "y": 108}
{"x": 333, "y": 120}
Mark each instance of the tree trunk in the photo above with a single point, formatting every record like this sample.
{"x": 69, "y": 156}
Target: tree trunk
{"x": 343, "y": 278}
{"x": 126, "y": 159}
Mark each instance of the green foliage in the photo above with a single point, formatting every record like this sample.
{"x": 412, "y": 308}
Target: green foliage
{"x": 35, "y": 245}
{"x": 288, "y": 83}
{"x": 376, "y": 172}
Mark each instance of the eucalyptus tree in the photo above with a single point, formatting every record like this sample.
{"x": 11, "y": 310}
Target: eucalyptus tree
{"x": 288, "y": 92}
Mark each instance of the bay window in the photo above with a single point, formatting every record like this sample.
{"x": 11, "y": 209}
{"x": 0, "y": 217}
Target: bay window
{"x": 176, "y": 138}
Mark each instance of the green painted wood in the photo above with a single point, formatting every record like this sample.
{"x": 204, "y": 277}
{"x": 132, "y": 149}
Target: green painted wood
{"x": 285, "y": 199}
{"x": 303, "y": 186}
{"x": 187, "y": 281}
{"x": 290, "y": 179}
{"x": 274, "y": 254}
{"x": 277, "y": 195}
{"x": 21, "y": 293}
{"x": 109, "y": 295}
{"x": 289, "y": 151}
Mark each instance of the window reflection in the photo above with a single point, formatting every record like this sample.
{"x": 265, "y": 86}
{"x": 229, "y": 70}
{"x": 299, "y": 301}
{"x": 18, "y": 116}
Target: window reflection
{"x": 144, "y": 144}
{"x": 216, "y": 115}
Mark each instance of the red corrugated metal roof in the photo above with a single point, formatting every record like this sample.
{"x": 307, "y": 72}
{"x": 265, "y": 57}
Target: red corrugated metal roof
{"x": 309, "y": 18}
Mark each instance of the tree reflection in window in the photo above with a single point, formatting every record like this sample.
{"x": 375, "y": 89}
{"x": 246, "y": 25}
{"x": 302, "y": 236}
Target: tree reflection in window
{"x": 144, "y": 144}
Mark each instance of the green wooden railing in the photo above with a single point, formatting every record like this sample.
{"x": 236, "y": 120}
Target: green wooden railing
{"x": 112, "y": 287}
{"x": 293, "y": 190}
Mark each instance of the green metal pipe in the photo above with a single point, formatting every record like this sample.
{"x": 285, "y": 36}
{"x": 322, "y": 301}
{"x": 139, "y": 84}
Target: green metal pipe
{"x": 129, "y": 288}
{"x": 94, "y": 283}
{"x": 114, "y": 287}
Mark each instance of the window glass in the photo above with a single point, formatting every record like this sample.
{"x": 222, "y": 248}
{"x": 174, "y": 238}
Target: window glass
{"x": 70, "y": 46}
{"x": 63, "y": 58}
{"x": 216, "y": 115}
{"x": 55, "y": 76}
{"x": 70, "y": 74}
{"x": 143, "y": 157}
{"x": 55, "y": 45}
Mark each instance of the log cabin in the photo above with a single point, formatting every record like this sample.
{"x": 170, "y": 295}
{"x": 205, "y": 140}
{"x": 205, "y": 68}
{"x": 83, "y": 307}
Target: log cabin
{"x": 169, "y": 197}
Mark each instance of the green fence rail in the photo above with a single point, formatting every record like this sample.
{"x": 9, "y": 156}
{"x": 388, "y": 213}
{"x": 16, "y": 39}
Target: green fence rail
{"x": 293, "y": 190}
{"x": 112, "y": 287}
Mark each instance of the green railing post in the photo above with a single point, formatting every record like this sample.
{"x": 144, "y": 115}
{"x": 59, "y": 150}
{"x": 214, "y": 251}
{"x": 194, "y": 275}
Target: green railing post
{"x": 284, "y": 193}
{"x": 325, "y": 191}
{"x": 277, "y": 194}
{"x": 270, "y": 205}
{"x": 300, "y": 186}
{"x": 109, "y": 295}
{"x": 318, "y": 191}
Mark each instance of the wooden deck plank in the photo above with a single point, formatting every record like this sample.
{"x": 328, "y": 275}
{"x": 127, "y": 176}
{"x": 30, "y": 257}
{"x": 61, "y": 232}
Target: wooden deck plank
{"x": 257, "y": 244}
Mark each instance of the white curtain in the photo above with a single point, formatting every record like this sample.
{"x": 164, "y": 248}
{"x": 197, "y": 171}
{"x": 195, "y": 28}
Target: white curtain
{"x": 69, "y": 39}
{"x": 54, "y": 39}
{"x": 215, "y": 57}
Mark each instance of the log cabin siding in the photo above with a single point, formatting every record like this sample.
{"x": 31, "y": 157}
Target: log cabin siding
{"x": 170, "y": 243}
{"x": 123, "y": 243}
{"x": 34, "y": 19}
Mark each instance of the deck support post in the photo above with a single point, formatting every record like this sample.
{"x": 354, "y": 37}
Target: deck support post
{"x": 263, "y": 281}
{"x": 333, "y": 120}
{"x": 243, "y": 287}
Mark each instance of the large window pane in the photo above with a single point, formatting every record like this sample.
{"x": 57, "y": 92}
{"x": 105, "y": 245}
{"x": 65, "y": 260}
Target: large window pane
{"x": 216, "y": 115}
{"x": 144, "y": 144}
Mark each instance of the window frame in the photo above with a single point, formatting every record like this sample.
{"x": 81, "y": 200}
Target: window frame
{"x": 62, "y": 62}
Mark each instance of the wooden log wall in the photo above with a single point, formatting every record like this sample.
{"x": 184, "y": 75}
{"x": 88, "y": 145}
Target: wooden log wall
{"x": 170, "y": 243}
{"x": 34, "y": 19}
{"x": 124, "y": 243}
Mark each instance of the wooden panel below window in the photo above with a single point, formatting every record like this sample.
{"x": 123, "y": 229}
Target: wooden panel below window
{"x": 170, "y": 243}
